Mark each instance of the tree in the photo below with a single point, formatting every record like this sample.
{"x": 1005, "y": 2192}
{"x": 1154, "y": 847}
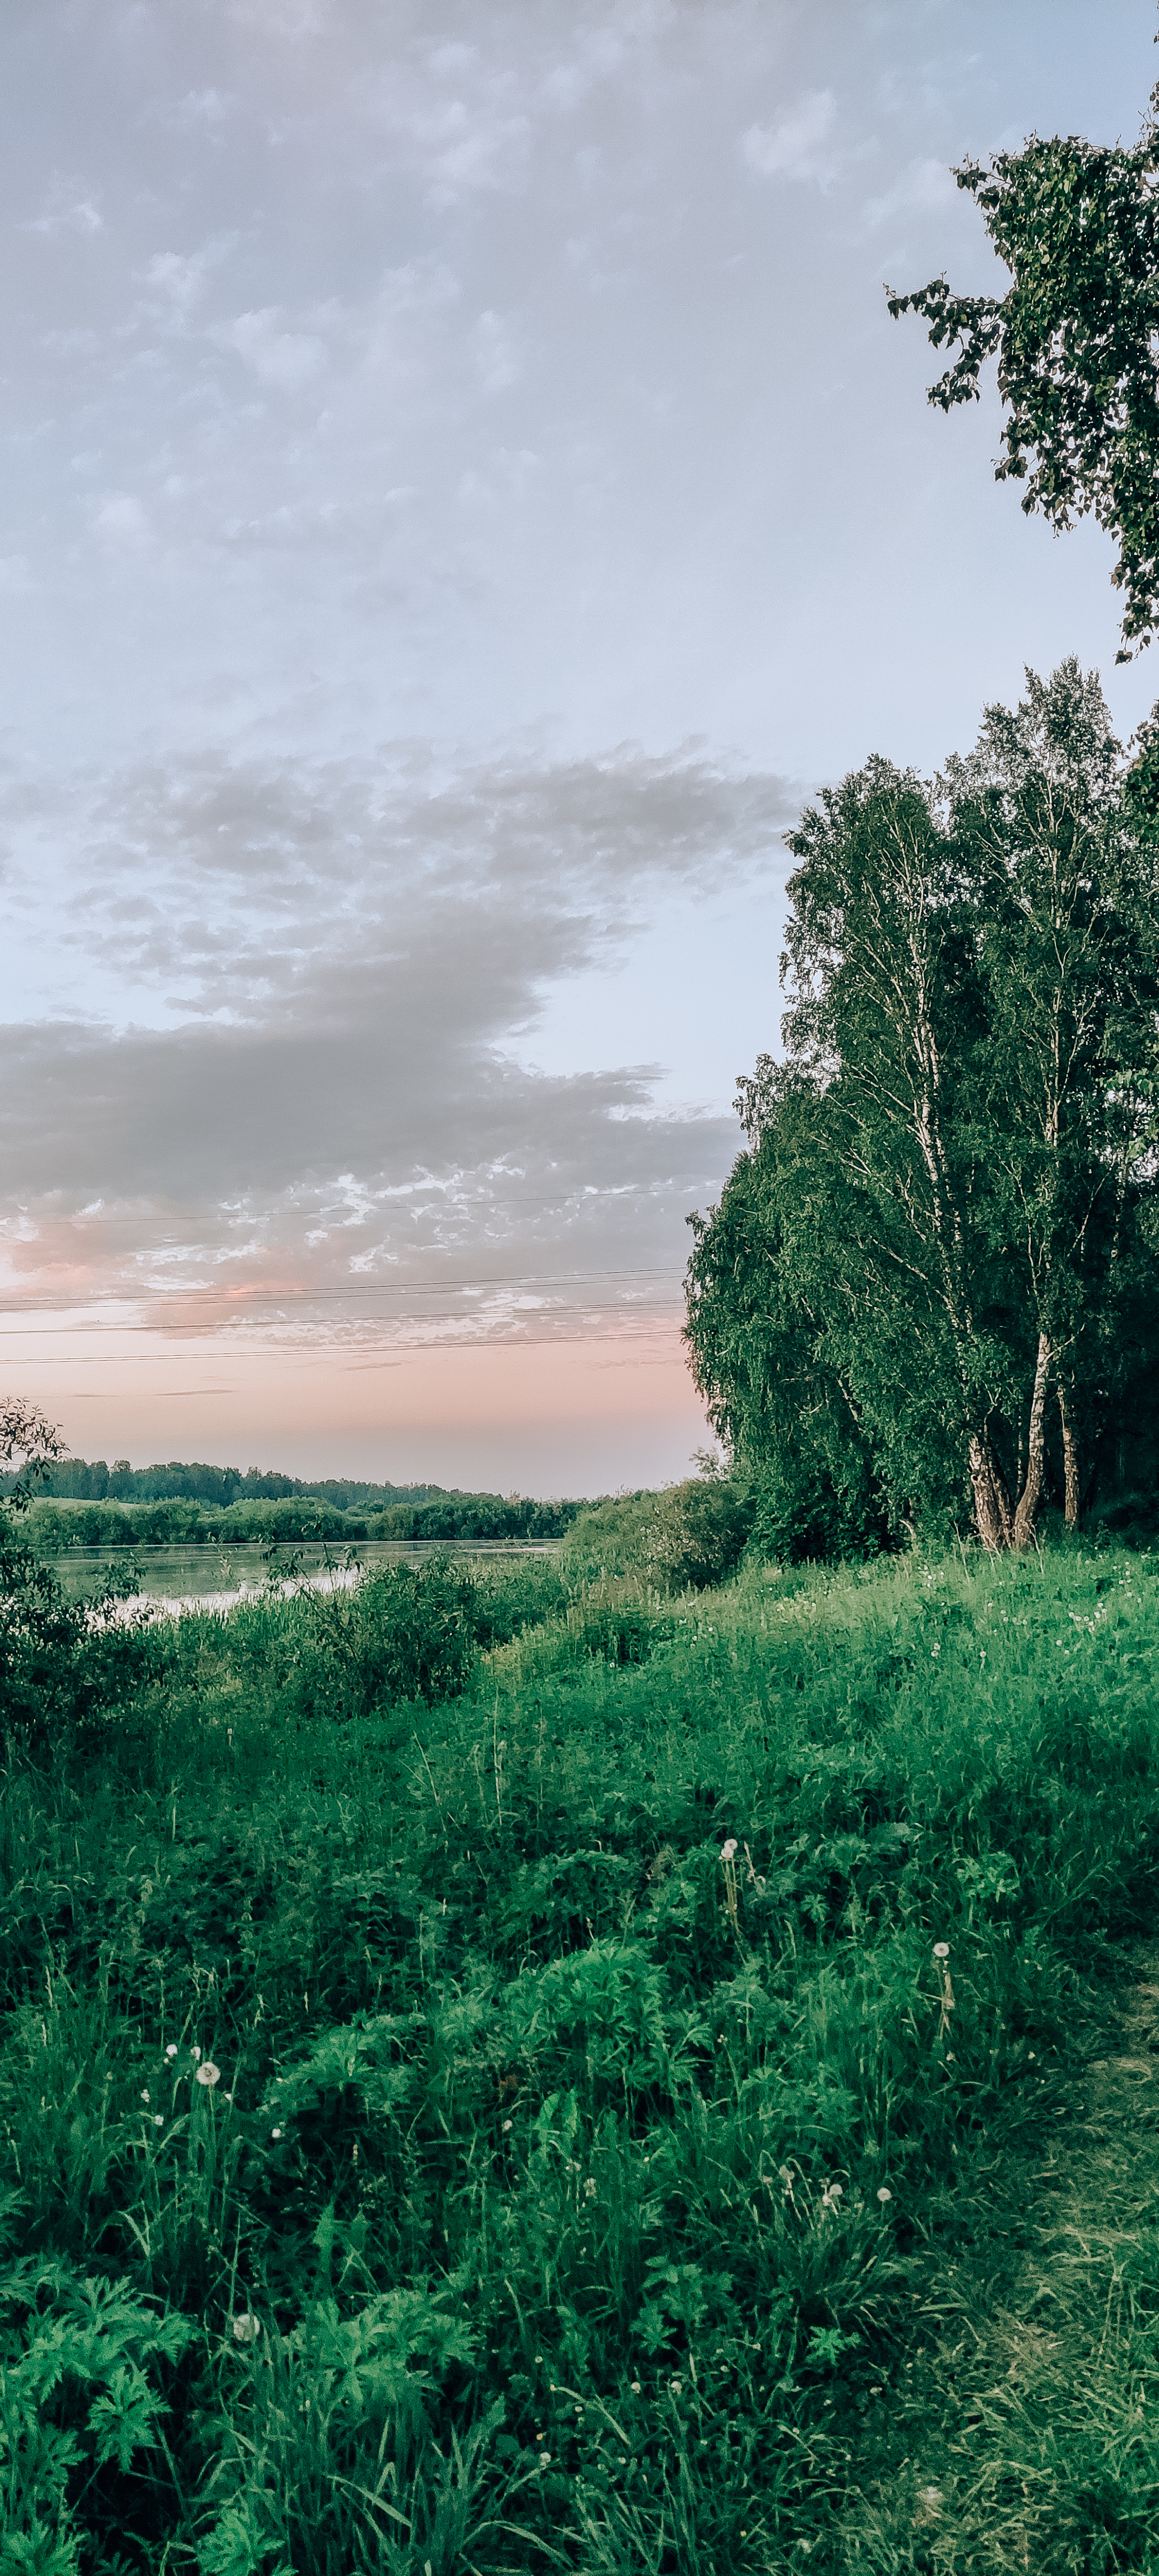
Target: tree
{"x": 28, "y": 1440}
{"x": 1062, "y": 889}
{"x": 67, "y": 1668}
{"x": 1077, "y": 225}
{"x": 939, "y": 1213}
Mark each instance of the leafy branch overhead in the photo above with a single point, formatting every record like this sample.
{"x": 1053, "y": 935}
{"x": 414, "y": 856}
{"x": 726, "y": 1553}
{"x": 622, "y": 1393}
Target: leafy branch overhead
{"x": 1075, "y": 337}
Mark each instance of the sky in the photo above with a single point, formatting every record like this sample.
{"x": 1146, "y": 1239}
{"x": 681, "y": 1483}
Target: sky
{"x": 461, "y": 494}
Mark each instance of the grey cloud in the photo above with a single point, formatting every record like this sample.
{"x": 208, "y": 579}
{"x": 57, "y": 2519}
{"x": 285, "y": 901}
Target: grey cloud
{"x": 372, "y": 936}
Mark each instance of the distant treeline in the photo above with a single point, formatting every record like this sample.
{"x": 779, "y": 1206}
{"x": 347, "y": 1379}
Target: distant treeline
{"x": 59, "y": 1522}
{"x": 92, "y": 1480}
{"x": 475, "y": 1516}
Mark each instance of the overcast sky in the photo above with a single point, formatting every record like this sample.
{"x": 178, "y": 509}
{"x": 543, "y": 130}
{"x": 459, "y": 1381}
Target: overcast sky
{"x": 461, "y": 491}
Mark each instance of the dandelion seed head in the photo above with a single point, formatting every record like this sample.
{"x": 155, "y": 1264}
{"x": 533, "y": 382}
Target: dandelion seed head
{"x": 208, "y": 2074}
{"x": 676, "y": 2385}
{"x": 884, "y": 2195}
{"x": 275, "y": 2133}
{"x": 545, "y": 2459}
{"x": 941, "y": 1949}
{"x": 158, "y": 2120}
{"x": 634, "y": 2385}
{"x": 195, "y": 2054}
{"x": 728, "y": 1849}
{"x": 505, "y": 2128}
{"x": 247, "y": 2328}
{"x": 171, "y": 2051}
{"x": 145, "y": 2094}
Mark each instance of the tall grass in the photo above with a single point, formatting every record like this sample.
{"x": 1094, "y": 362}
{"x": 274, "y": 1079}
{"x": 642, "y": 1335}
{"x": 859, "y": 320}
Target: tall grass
{"x": 500, "y": 2133}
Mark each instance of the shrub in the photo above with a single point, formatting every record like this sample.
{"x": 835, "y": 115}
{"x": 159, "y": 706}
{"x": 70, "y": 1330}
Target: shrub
{"x": 407, "y": 1632}
{"x": 696, "y": 1533}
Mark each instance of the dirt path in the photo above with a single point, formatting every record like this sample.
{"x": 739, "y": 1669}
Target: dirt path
{"x": 1026, "y": 2409}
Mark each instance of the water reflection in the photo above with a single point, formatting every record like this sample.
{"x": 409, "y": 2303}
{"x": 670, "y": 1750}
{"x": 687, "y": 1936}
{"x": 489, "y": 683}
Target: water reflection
{"x": 216, "y": 1578}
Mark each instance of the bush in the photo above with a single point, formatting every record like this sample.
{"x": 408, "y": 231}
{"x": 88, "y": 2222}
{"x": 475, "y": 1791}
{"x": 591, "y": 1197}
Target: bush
{"x": 696, "y": 1533}
{"x": 405, "y": 1633}
{"x": 68, "y": 1669}
{"x": 608, "y": 1539}
{"x": 807, "y": 1516}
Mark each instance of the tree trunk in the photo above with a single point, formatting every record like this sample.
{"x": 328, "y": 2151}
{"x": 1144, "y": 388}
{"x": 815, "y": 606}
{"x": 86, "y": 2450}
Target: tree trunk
{"x": 991, "y": 1501}
{"x": 1026, "y": 1514}
{"x": 1070, "y": 1456}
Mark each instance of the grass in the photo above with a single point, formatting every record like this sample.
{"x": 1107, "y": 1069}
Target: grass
{"x": 425, "y": 2147}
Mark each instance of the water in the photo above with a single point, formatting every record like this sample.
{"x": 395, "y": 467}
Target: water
{"x": 188, "y": 1578}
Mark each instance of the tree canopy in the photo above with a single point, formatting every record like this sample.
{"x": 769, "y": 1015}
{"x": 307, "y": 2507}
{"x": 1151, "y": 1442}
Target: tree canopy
{"x": 1077, "y": 225}
{"x": 943, "y": 1220}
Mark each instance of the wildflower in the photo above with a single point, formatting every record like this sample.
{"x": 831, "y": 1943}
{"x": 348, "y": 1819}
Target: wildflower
{"x": 247, "y": 2328}
{"x": 158, "y": 2120}
{"x": 208, "y": 2074}
{"x": 884, "y": 2195}
{"x": 171, "y": 2051}
{"x": 544, "y": 2459}
{"x": 728, "y": 1850}
{"x": 145, "y": 2094}
{"x": 505, "y": 2128}
{"x": 275, "y": 2133}
{"x": 941, "y": 1949}
{"x": 676, "y": 2386}
{"x": 635, "y": 2387}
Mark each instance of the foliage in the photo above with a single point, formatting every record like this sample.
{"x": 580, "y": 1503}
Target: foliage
{"x": 696, "y": 1532}
{"x": 946, "y": 1210}
{"x": 501, "y": 2090}
{"x": 1077, "y": 226}
{"x": 477, "y": 1516}
{"x": 55, "y": 1527}
{"x": 80, "y": 2408}
{"x": 69, "y": 1670}
{"x": 609, "y": 1538}
{"x": 403, "y": 1633}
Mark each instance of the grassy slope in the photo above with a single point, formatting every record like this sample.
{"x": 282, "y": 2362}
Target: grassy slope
{"x": 600, "y": 2205}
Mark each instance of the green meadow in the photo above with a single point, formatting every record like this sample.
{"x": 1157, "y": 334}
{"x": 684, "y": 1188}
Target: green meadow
{"x": 514, "y": 2068}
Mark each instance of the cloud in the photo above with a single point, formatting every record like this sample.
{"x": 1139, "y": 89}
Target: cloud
{"x": 180, "y": 278}
{"x": 493, "y": 348}
{"x": 329, "y": 1125}
{"x": 122, "y": 520}
{"x": 66, "y": 212}
{"x": 800, "y": 145}
{"x": 923, "y": 185}
{"x": 283, "y": 358}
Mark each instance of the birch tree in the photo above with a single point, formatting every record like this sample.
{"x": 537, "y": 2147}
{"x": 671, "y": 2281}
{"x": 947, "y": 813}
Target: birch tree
{"x": 969, "y": 967}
